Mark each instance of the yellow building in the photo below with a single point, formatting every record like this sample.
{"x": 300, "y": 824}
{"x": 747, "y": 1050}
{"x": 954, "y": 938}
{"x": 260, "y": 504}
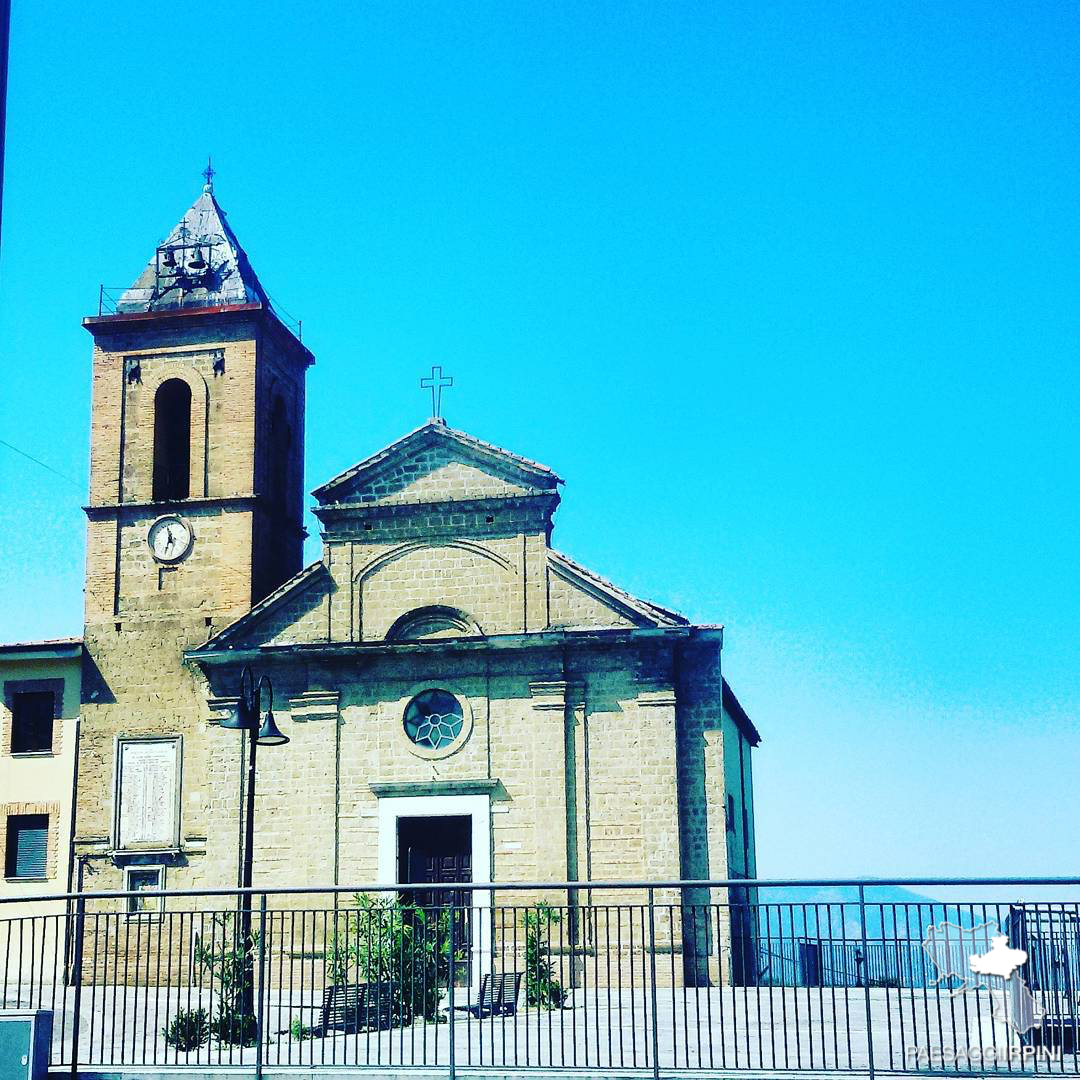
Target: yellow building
{"x": 39, "y": 725}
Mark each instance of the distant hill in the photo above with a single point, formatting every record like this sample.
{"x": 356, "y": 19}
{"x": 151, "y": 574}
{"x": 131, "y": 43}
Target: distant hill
{"x": 875, "y": 894}
{"x": 814, "y": 936}
{"x": 833, "y": 911}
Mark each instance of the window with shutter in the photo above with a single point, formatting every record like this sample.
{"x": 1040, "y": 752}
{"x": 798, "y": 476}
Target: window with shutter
{"x": 27, "y": 851}
{"x": 32, "y": 714}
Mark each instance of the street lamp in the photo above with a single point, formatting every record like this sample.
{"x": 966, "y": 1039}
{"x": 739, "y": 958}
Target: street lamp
{"x": 244, "y": 716}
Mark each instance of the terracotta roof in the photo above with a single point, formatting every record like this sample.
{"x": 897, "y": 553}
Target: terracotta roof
{"x": 651, "y": 611}
{"x": 43, "y": 643}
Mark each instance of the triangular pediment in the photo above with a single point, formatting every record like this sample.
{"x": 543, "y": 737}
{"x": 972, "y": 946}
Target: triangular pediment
{"x": 434, "y": 464}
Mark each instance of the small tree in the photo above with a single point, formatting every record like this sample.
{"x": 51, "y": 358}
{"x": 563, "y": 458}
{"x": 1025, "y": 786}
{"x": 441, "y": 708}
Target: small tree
{"x": 231, "y": 962}
{"x": 405, "y": 946}
{"x": 541, "y": 986}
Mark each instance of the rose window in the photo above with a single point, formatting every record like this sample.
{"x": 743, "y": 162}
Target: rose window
{"x": 433, "y": 719}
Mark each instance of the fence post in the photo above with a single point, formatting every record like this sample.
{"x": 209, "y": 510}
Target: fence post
{"x": 260, "y": 1031}
{"x": 652, "y": 981}
{"x": 866, "y": 981}
{"x": 453, "y": 952}
{"x": 77, "y": 962}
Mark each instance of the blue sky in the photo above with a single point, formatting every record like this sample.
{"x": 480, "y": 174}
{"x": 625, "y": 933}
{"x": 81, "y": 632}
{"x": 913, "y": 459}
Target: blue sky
{"x": 788, "y": 293}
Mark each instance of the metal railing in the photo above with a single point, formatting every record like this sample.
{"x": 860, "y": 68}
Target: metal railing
{"x": 111, "y": 296}
{"x": 650, "y": 977}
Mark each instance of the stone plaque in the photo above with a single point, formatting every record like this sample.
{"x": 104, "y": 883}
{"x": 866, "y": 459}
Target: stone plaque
{"x": 147, "y": 793}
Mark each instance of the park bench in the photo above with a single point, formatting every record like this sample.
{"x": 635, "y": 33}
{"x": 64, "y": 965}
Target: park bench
{"x": 1057, "y": 1028}
{"x": 498, "y": 995}
{"x": 352, "y": 1007}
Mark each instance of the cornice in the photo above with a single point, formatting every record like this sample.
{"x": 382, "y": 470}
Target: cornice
{"x": 362, "y": 510}
{"x": 96, "y": 511}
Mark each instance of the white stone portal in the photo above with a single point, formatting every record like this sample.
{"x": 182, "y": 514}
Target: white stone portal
{"x": 478, "y": 809}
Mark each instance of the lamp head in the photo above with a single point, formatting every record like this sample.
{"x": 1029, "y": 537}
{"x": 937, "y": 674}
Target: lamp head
{"x": 242, "y": 716}
{"x": 269, "y": 733}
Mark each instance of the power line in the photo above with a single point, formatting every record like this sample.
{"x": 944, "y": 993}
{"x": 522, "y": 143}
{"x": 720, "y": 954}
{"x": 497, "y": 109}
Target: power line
{"x": 30, "y": 457}
{"x": 221, "y": 564}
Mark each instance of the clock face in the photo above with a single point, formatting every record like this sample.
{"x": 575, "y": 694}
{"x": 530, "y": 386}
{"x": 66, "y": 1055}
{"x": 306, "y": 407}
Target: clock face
{"x": 170, "y": 539}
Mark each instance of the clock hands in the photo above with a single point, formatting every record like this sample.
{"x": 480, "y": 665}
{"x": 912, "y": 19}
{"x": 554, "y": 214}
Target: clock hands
{"x": 170, "y": 540}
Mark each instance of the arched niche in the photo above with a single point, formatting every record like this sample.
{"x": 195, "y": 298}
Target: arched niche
{"x": 433, "y": 621}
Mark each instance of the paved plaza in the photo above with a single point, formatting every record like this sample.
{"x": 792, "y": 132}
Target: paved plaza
{"x": 714, "y": 1030}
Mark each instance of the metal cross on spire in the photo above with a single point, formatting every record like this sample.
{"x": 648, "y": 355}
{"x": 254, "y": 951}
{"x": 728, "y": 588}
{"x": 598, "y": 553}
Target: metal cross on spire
{"x": 208, "y": 173}
{"x": 436, "y": 382}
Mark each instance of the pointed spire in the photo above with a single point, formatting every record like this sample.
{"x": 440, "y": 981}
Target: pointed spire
{"x": 200, "y": 264}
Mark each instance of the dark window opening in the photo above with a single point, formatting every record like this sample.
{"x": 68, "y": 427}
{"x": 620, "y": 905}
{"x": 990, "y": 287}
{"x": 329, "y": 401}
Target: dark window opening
{"x": 27, "y": 851}
{"x": 172, "y": 441}
{"x": 32, "y": 715}
{"x": 280, "y": 454}
{"x": 730, "y": 823}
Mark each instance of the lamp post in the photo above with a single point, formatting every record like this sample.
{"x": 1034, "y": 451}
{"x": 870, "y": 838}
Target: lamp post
{"x": 244, "y": 716}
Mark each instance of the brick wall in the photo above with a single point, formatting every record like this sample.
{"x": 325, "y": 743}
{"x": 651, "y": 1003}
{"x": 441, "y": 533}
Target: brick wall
{"x": 141, "y": 615}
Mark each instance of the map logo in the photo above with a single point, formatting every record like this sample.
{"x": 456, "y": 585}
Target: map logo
{"x": 980, "y": 958}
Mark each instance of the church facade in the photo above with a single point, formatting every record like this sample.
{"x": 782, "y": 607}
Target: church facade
{"x": 463, "y": 702}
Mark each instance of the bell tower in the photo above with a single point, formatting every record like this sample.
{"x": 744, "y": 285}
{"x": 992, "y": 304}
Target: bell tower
{"x": 196, "y": 462}
{"x": 195, "y": 514}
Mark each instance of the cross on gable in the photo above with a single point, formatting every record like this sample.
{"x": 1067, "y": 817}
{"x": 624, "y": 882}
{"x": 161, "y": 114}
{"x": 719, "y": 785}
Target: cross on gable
{"x": 436, "y": 382}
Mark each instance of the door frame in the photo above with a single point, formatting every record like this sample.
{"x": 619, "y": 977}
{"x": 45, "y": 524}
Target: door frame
{"x": 478, "y": 809}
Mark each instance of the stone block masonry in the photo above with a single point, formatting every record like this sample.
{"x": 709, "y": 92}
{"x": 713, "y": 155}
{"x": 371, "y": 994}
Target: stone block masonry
{"x": 584, "y": 733}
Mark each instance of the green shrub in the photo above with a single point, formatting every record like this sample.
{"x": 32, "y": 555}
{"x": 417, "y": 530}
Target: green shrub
{"x": 187, "y": 1030}
{"x": 541, "y": 986}
{"x": 384, "y": 940}
{"x": 298, "y": 1030}
{"x": 235, "y": 1029}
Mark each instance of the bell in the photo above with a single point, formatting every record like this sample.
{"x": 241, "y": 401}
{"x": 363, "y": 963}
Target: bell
{"x": 169, "y": 259}
{"x": 239, "y": 718}
{"x": 269, "y": 733}
{"x": 197, "y": 262}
